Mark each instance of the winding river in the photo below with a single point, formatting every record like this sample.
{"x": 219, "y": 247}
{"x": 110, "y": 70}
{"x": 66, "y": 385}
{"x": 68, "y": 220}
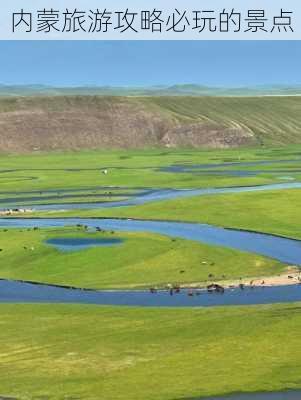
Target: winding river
{"x": 26, "y": 292}
{"x": 147, "y": 195}
{"x": 282, "y": 249}
{"x": 279, "y": 248}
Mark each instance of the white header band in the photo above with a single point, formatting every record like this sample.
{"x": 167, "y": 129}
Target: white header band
{"x": 156, "y": 20}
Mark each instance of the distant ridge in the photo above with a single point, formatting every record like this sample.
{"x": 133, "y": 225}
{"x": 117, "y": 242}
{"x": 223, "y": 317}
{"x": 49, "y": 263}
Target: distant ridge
{"x": 161, "y": 90}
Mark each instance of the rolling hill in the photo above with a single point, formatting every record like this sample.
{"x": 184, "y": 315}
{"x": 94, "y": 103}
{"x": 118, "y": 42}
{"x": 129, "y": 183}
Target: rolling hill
{"x": 42, "y": 123}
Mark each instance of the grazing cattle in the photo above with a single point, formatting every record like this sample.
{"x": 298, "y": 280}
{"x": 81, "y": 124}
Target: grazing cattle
{"x": 214, "y": 287}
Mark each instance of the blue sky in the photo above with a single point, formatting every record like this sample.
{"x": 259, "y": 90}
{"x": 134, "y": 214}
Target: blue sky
{"x": 137, "y": 63}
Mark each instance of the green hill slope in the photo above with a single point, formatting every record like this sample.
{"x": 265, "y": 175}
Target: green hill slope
{"x": 272, "y": 120}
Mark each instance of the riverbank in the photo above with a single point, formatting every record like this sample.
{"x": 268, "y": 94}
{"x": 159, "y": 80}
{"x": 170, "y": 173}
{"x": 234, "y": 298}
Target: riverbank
{"x": 292, "y": 276}
{"x": 15, "y": 212}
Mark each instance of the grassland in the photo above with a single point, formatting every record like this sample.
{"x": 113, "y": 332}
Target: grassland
{"x": 70, "y": 170}
{"x": 157, "y": 260}
{"x": 142, "y": 260}
{"x": 275, "y": 212}
{"x": 61, "y": 352}
{"x": 68, "y": 352}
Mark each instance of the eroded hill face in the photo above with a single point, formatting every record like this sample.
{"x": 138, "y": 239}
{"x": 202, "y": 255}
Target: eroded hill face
{"x": 88, "y": 122}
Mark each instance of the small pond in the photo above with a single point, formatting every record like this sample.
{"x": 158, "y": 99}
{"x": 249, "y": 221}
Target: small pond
{"x": 76, "y": 244}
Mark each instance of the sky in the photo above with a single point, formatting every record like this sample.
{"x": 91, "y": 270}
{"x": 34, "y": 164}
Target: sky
{"x": 147, "y": 63}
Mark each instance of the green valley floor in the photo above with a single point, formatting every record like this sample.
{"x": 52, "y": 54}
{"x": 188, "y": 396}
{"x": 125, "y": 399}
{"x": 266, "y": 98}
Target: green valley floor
{"x": 77, "y": 352}
{"x": 61, "y": 352}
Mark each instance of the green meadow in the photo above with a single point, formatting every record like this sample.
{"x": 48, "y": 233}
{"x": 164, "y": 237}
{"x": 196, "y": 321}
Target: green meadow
{"x": 142, "y": 260}
{"x": 59, "y": 352}
{"x": 145, "y": 259}
{"x": 140, "y": 168}
{"x": 273, "y": 211}
{"x": 72, "y": 352}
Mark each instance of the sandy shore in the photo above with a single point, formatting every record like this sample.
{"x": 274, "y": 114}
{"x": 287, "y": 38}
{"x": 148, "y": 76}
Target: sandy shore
{"x": 279, "y": 280}
{"x": 291, "y": 277}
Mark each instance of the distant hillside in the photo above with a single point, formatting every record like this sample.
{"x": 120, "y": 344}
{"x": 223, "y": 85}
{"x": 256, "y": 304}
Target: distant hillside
{"x": 175, "y": 90}
{"x": 76, "y": 122}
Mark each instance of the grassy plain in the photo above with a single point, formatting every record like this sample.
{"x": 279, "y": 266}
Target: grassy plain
{"x": 69, "y": 352}
{"x": 142, "y": 260}
{"x": 275, "y": 212}
{"x": 70, "y": 170}
{"x": 157, "y": 260}
{"x": 59, "y": 352}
